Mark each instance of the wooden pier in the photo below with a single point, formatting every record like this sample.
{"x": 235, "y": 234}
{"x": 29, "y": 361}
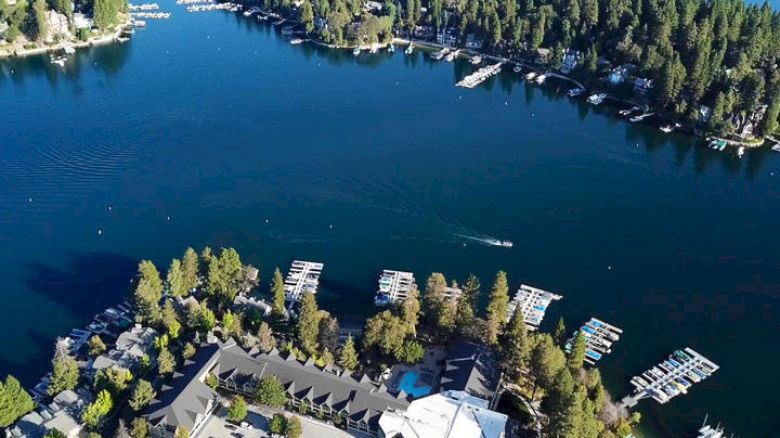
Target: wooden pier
{"x": 599, "y": 338}
{"x": 670, "y": 378}
{"x": 394, "y": 287}
{"x": 303, "y": 277}
{"x": 533, "y": 302}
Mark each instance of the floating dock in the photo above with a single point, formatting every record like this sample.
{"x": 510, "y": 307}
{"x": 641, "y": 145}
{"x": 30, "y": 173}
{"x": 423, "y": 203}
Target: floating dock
{"x": 707, "y": 431}
{"x": 599, "y": 337}
{"x": 303, "y": 277}
{"x": 533, "y": 302}
{"x": 394, "y": 287}
{"x": 479, "y": 76}
{"x": 672, "y": 377}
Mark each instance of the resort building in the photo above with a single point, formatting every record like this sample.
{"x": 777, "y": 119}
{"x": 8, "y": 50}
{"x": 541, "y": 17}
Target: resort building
{"x": 570, "y": 60}
{"x": 533, "y": 303}
{"x": 63, "y": 414}
{"x": 131, "y": 346}
{"x": 186, "y": 401}
{"x": 451, "y": 414}
{"x": 447, "y": 37}
{"x": 472, "y": 369}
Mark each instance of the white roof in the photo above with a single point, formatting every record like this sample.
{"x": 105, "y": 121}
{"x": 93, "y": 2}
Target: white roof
{"x": 452, "y": 414}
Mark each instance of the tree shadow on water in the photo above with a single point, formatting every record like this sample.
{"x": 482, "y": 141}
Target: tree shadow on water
{"x": 89, "y": 283}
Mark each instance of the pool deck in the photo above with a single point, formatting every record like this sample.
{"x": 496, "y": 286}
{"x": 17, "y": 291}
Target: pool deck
{"x": 429, "y": 370}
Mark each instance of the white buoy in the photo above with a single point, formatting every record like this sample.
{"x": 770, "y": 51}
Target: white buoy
{"x": 168, "y": 218}
{"x": 110, "y": 208}
{"x": 331, "y": 226}
{"x": 506, "y": 103}
{"x": 100, "y": 232}
{"x": 266, "y": 221}
{"x": 609, "y": 268}
{"x": 29, "y": 199}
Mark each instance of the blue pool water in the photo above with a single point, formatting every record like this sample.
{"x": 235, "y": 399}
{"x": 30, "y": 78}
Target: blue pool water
{"x": 407, "y": 384}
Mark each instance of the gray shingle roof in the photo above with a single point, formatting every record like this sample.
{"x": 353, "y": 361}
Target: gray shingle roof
{"x": 185, "y": 397}
{"x": 471, "y": 368}
{"x": 360, "y": 398}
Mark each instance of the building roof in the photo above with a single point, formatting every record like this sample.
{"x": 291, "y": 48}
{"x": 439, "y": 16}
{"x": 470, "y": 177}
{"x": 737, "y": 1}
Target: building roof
{"x": 453, "y": 414}
{"x": 130, "y": 347}
{"x": 470, "y": 368}
{"x": 358, "y": 397}
{"x": 63, "y": 414}
{"x": 186, "y": 397}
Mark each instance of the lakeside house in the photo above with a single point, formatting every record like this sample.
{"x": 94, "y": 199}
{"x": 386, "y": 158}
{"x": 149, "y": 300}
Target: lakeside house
{"x": 131, "y": 347}
{"x": 571, "y": 59}
{"x": 450, "y": 414}
{"x": 472, "y": 369}
{"x": 63, "y": 414}
{"x": 642, "y": 85}
{"x": 447, "y": 37}
{"x": 473, "y": 42}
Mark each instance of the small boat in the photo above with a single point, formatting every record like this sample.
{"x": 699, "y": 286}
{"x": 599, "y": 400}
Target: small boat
{"x": 69, "y": 50}
{"x": 507, "y": 244}
{"x": 296, "y": 41}
{"x": 625, "y": 112}
{"x": 541, "y": 78}
{"x": 530, "y": 75}
{"x": 139, "y": 23}
{"x": 277, "y": 23}
{"x": 122, "y": 39}
{"x": 373, "y": 49}
{"x": 409, "y": 49}
{"x": 776, "y": 148}
{"x": 356, "y": 51}
{"x": 717, "y": 145}
{"x": 667, "y": 128}
{"x": 574, "y": 92}
{"x": 59, "y": 60}
{"x": 517, "y": 69}
{"x": 596, "y": 98}
{"x": 248, "y": 13}
{"x": 741, "y": 151}
{"x": 440, "y": 54}
{"x": 451, "y": 56}
{"x": 391, "y": 48}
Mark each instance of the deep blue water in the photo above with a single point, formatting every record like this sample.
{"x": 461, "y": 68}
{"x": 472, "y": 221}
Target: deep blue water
{"x": 203, "y": 127}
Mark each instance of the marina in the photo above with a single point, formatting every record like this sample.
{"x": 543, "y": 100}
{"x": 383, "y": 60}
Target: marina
{"x": 303, "y": 277}
{"x": 599, "y": 338}
{"x": 479, "y": 76}
{"x": 394, "y": 287}
{"x": 533, "y": 302}
{"x": 670, "y": 378}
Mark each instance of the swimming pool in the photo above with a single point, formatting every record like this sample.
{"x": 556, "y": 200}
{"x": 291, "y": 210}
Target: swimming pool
{"x": 407, "y": 384}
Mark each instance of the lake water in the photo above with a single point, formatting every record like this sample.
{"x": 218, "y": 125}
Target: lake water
{"x": 211, "y": 129}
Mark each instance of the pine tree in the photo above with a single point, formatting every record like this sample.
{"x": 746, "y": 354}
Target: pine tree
{"x": 308, "y": 324}
{"x": 516, "y": 345}
{"x": 277, "y": 292}
{"x": 175, "y": 279}
{"x": 14, "y": 401}
{"x": 148, "y": 291}
{"x": 307, "y": 16}
{"x": 65, "y": 375}
{"x": 96, "y": 346}
{"x": 265, "y": 335}
{"x": 410, "y": 311}
{"x": 189, "y": 268}
{"x": 348, "y": 358}
{"x": 237, "y": 410}
{"x": 166, "y": 363}
{"x": 577, "y": 354}
{"x": 497, "y": 308}
{"x": 97, "y": 410}
{"x": 559, "y": 335}
{"x": 143, "y": 394}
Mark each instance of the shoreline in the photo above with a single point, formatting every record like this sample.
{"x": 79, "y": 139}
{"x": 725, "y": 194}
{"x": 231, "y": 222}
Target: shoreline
{"x": 75, "y": 43}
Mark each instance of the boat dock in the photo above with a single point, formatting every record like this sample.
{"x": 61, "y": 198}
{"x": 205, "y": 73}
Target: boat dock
{"x": 302, "y": 277}
{"x": 394, "y": 287}
{"x": 533, "y": 303}
{"x": 599, "y": 337}
{"x": 707, "y": 431}
{"x": 670, "y": 378}
{"x": 479, "y": 76}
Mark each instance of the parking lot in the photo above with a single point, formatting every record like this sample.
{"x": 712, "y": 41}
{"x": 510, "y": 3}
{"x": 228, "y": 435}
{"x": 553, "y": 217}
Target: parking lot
{"x": 256, "y": 426}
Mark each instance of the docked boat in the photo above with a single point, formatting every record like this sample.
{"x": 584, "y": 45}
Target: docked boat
{"x": 356, "y": 51}
{"x": 440, "y": 54}
{"x": 574, "y": 92}
{"x": 409, "y": 49}
{"x": 58, "y": 60}
{"x": 451, "y": 56}
{"x": 541, "y": 78}
{"x": 139, "y": 23}
{"x": 123, "y": 39}
{"x": 373, "y": 49}
{"x": 667, "y": 128}
{"x": 597, "y": 98}
{"x": 69, "y": 50}
{"x": 391, "y": 48}
{"x": 475, "y": 60}
{"x": 640, "y": 117}
{"x": 741, "y": 151}
{"x": 530, "y": 75}
{"x": 296, "y": 41}
{"x": 625, "y": 112}
{"x": 718, "y": 145}
{"x": 279, "y": 22}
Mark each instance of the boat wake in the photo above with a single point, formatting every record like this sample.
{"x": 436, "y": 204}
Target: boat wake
{"x": 488, "y": 241}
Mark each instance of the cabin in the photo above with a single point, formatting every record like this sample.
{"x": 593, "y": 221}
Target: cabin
{"x": 473, "y": 42}
{"x": 571, "y": 59}
{"x": 447, "y": 37}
